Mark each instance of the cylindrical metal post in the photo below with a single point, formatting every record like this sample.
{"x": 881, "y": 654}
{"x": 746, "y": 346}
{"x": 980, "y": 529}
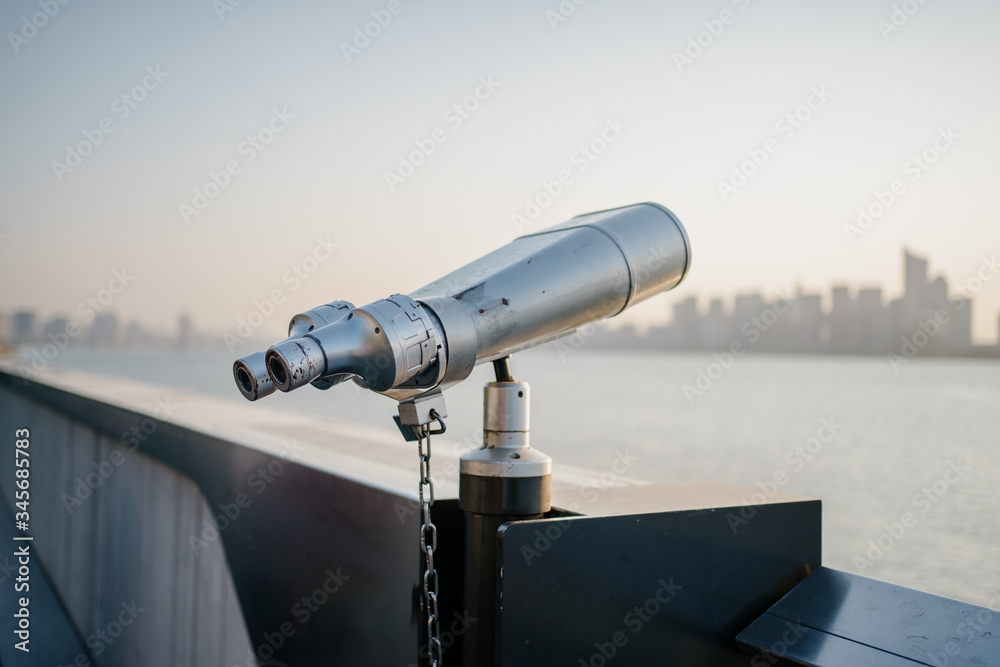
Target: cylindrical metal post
{"x": 505, "y": 480}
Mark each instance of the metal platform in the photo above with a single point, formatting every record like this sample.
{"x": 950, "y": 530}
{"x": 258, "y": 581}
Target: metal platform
{"x": 834, "y": 618}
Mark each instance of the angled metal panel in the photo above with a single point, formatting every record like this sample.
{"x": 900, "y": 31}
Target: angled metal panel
{"x": 668, "y": 588}
{"x": 849, "y": 615}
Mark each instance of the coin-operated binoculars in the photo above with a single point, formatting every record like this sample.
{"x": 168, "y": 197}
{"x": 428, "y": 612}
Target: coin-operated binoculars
{"x": 413, "y": 346}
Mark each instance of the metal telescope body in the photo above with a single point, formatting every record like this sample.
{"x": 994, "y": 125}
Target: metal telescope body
{"x": 410, "y": 347}
{"x": 539, "y": 287}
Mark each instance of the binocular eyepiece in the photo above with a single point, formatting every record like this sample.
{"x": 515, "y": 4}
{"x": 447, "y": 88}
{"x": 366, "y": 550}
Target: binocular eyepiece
{"x": 537, "y": 288}
{"x": 253, "y": 377}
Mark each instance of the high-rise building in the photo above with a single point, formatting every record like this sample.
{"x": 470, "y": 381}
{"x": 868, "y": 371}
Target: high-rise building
{"x": 745, "y": 308}
{"x": 684, "y": 330}
{"x": 715, "y": 327}
{"x": 915, "y": 280}
{"x": 104, "y": 330}
{"x": 841, "y": 328}
{"x": 937, "y": 294}
{"x": 959, "y": 325}
{"x": 24, "y": 326}
{"x": 6, "y": 328}
{"x": 875, "y": 329}
{"x": 55, "y": 328}
{"x": 809, "y": 323}
{"x": 185, "y": 331}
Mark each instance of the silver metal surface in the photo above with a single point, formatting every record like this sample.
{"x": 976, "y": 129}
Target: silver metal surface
{"x": 506, "y": 412}
{"x": 295, "y": 362}
{"x": 250, "y": 372}
{"x": 318, "y": 317}
{"x": 252, "y": 378}
{"x": 545, "y": 285}
{"x": 501, "y": 462}
{"x": 537, "y": 288}
{"x": 413, "y": 343}
{"x": 383, "y": 345}
{"x": 506, "y": 451}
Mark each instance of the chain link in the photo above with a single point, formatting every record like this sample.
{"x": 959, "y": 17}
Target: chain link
{"x": 428, "y": 543}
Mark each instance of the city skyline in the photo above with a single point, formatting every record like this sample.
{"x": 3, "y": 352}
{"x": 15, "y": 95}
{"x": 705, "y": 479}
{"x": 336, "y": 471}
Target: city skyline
{"x": 927, "y": 317}
{"x": 859, "y": 320}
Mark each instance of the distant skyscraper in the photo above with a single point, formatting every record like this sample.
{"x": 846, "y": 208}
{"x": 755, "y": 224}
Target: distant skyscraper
{"x": 684, "y": 329}
{"x": 24, "y": 327}
{"x": 915, "y": 278}
{"x": 104, "y": 330}
{"x": 745, "y": 307}
{"x": 807, "y": 335}
{"x": 715, "y": 327}
{"x": 842, "y": 321}
{"x": 6, "y": 328}
{"x": 185, "y": 331}
{"x": 959, "y": 337}
{"x": 937, "y": 294}
{"x": 54, "y": 327}
{"x": 875, "y": 330}
{"x": 135, "y": 335}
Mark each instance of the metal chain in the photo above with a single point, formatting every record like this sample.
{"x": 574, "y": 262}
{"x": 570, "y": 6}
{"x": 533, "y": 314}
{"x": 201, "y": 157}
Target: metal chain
{"x": 428, "y": 543}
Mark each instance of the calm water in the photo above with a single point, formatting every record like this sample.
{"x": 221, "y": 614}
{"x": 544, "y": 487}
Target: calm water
{"x": 890, "y": 437}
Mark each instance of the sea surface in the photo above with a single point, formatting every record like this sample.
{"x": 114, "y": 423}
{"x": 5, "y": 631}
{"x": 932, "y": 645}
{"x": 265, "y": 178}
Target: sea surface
{"x": 906, "y": 460}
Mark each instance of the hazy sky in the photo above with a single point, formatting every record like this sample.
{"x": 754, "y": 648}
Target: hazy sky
{"x": 211, "y": 75}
